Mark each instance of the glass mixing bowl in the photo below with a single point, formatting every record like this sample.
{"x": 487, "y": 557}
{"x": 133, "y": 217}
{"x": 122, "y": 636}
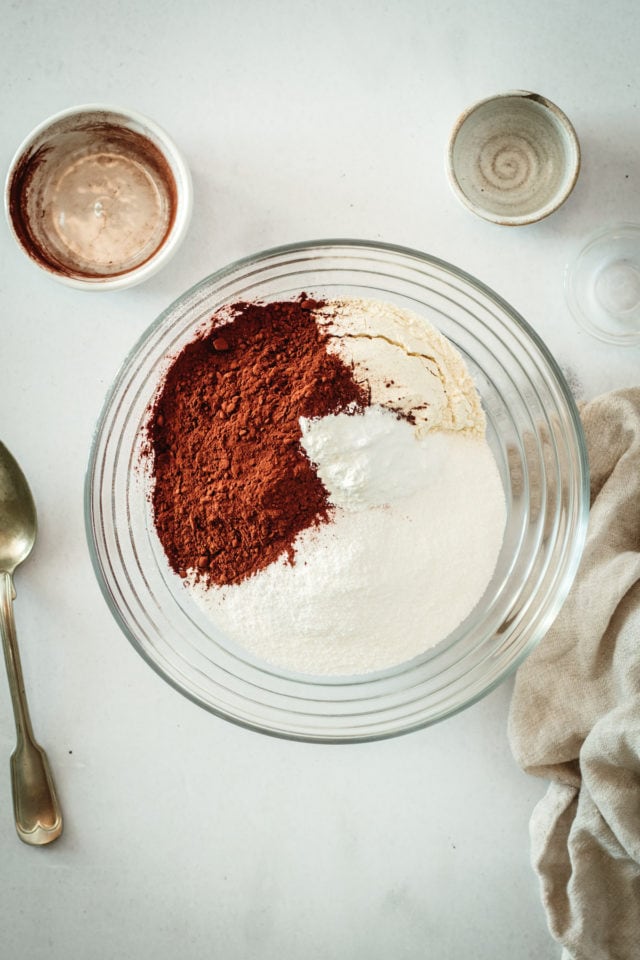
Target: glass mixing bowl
{"x": 535, "y": 433}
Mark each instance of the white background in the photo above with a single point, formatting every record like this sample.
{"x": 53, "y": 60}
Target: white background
{"x": 186, "y": 836}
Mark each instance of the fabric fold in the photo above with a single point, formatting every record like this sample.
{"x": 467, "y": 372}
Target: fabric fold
{"x": 575, "y": 711}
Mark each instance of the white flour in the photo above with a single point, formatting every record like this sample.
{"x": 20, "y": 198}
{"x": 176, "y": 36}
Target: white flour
{"x": 379, "y": 585}
{"x": 418, "y": 524}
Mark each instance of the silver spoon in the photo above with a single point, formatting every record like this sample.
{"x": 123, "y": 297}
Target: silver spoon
{"x": 37, "y": 813}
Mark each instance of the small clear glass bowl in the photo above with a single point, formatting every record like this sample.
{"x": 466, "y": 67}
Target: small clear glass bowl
{"x": 602, "y": 285}
{"x": 535, "y": 433}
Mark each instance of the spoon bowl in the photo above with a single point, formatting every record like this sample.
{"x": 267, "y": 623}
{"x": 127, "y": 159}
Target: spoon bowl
{"x": 18, "y": 518}
{"x": 37, "y": 812}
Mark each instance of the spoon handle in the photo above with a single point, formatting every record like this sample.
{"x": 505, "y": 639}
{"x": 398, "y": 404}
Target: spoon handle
{"x": 36, "y": 809}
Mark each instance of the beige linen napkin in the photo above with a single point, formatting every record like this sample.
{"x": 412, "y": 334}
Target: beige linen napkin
{"x": 575, "y": 712}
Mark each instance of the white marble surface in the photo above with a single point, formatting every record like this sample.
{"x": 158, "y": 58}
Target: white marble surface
{"x": 186, "y": 836}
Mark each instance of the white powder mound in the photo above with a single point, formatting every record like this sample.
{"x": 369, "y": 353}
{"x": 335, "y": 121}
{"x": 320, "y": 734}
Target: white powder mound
{"x": 377, "y": 586}
{"x": 357, "y": 457}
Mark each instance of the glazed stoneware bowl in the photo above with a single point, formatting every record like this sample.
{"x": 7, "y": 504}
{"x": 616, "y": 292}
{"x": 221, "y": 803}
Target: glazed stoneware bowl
{"x": 536, "y": 438}
{"x": 513, "y": 158}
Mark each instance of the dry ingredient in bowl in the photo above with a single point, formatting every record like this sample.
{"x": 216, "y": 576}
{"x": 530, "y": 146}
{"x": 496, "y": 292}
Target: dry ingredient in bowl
{"x": 233, "y": 487}
{"x": 322, "y": 482}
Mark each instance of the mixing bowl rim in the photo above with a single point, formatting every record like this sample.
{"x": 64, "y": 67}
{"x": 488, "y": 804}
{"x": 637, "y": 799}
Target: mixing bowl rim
{"x": 350, "y": 246}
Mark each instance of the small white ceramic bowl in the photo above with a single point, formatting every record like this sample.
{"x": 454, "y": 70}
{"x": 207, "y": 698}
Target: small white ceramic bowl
{"x": 513, "y": 158}
{"x": 99, "y": 197}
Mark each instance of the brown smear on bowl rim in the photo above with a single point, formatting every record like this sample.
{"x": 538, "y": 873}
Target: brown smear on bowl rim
{"x": 36, "y": 181}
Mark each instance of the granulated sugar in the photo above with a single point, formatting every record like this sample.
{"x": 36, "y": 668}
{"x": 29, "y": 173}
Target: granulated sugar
{"x": 382, "y": 583}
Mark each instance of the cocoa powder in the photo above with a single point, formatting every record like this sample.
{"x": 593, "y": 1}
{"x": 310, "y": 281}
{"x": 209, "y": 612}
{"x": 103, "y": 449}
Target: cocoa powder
{"x": 232, "y": 487}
